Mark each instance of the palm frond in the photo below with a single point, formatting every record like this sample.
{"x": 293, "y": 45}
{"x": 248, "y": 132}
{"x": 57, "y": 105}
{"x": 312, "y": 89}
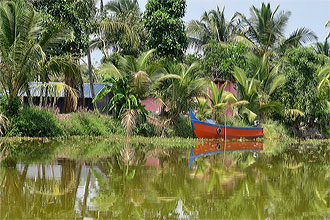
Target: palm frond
{"x": 250, "y": 114}
{"x": 57, "y": 88}
{"x": 129, "y": 120}
{"x": 108, "y": 70}
{"x": 104, "y": 91}
{"x": 328, "y": 24}
{"x": 144, "y": 58}
{"x": 323, "y": 74}
{"x": 4, "y": 124}
{"x": 272, "y": 107}
{"x": 294, "y": 113}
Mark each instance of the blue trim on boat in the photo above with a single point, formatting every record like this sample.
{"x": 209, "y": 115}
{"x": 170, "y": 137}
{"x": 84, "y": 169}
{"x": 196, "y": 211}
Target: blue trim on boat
{"x": 192, "y": 118}
{"x": 195, "y": 120}
{"x": 193, "y": 157}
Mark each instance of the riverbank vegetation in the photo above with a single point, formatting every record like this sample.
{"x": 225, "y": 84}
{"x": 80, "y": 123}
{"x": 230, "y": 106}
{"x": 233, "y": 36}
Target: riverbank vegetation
{"x": 281, "y": 81}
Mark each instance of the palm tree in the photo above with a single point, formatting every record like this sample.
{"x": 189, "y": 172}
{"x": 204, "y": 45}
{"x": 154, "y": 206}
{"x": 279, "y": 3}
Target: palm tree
{"x": 121, "y": 7}
{"x": 257, "y": 86}
{"x": 107, "y": 28}
{"x": 323, "y": 48}
{"x": 212, "y": 25}
{"x": 24, "y": 45}
{"x": 127, "y": 12}
{"x": 178, "y": 87}
{"x": 219, "y": 99}
{"x": 264, "y": 30}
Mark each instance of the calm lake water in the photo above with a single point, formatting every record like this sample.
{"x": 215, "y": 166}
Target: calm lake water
{"x": 210, "y": 180}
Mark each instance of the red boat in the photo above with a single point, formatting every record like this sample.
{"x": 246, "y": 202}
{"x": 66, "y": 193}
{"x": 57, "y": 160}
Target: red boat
{"x": 212, "y": 130}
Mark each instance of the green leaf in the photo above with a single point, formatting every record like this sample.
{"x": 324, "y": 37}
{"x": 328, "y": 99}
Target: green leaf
{"x": 104, "y": 91}
{"x": 134, "y": 100}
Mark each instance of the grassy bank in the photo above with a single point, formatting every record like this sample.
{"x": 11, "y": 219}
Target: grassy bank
{"x": 37, "y": 122}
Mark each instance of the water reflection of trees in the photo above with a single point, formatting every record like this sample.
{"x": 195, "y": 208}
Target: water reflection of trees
{"x": 235, "y": 185}
{"x": 283, "y": 186}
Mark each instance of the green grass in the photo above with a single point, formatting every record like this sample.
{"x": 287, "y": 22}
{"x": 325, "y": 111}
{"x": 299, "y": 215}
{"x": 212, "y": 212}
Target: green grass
{"x": 91, "y": 124}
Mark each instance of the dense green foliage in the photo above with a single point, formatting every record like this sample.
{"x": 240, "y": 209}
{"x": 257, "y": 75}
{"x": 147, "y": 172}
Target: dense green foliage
{"x": 276, "y": 78}
{"x": 127, "y": 12}
{"x": 77, "y": 15}
{"x": 165, "y": 28}
{"x": 300, "y": 90}
{"x": 10, "y": 107}
{"x": 220, "y": 59}
{"x": 91, "y": 124}
{"x": 35, "y": 122}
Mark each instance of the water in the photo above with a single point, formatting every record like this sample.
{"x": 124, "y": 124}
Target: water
{"x": 115, "y": 180}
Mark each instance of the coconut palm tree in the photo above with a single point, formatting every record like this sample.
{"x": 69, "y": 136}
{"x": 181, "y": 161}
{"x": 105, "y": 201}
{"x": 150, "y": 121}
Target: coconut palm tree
{"x": 219, "y": 99}
{"x": 257, "y": 86}
{"x": 107, "y": 28}
{"x": 178, "y": 87}
{"x": 264, "y": 30}
{"x": 127, "y": 12}
{"x": 212, "y": 25}
{"x": 24, "y": 45}
{"x": 120, "y": 7}
{"x": 323, "y": 48}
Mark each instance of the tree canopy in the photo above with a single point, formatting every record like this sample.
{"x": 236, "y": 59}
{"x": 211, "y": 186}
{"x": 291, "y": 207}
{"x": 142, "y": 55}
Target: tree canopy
{"x": 165, "y": 27}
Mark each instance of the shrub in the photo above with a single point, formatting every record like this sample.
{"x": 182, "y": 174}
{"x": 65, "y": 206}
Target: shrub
{"x": 91, "y": 124}
{"x": 181, "y": 128}
{"x": 274, "y": 129}
{"x": 10, "y": 107}
{"x": 326, "y": 131}
{"x": 35, "y": 122}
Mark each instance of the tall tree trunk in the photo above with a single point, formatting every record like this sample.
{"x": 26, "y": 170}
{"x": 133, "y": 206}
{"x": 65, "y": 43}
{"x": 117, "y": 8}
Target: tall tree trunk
{"x": 46, "y": 97}
{"x": 28, "y": 94}
{"x": 91, "y": 80}
{"x": 82, "y": 94}
{"x": 68, "y": 99}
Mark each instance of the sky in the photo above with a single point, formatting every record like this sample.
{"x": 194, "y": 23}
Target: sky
{"x": 312, "y": 14}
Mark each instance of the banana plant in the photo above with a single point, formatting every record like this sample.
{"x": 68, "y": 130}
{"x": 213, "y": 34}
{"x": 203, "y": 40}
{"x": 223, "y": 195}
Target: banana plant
{"x": 129, "y": 83}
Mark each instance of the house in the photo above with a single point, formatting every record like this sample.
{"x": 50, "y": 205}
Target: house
{"x": 36, "y": 88}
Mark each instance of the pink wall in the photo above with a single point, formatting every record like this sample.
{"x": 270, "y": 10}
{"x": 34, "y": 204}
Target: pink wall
{"x": 230, "y": 86}
{"x": 152, "y": 104}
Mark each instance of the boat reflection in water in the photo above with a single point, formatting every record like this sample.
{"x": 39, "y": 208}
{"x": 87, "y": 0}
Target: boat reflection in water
{"x": 210, "y": 147}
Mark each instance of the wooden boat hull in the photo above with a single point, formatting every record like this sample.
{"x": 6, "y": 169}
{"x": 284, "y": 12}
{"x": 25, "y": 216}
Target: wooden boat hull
{"x": 208, "y": 130}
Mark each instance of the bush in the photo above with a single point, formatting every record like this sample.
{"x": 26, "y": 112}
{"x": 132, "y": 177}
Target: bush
{"x": 326, "y": 131}
{"x": 181, "y": 128}
{"x": 35, "y": 122}
{"x": 91, "y": 124}
{"x": 274, "y": 129}
{"x": 10, "y": 107}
